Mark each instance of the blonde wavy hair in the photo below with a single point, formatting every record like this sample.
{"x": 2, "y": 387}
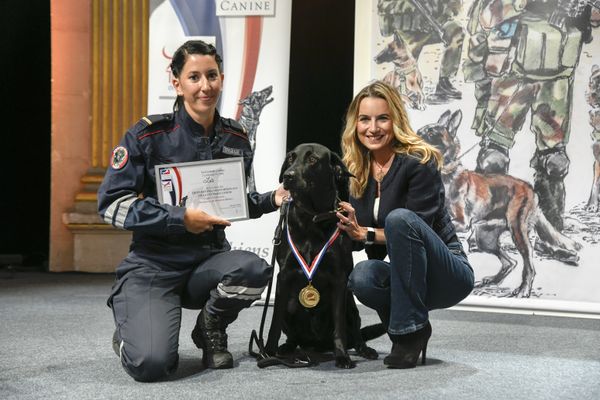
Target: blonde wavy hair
{"x": 405, "y": 141}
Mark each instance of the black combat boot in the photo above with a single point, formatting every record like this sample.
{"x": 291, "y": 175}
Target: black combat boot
{"x": 551, "y": 194}
{"x": 551, "y": 167}
{"x": 492, "y": 158}
{"x": 209, "y": 335}
{"x": 445, "y": 88}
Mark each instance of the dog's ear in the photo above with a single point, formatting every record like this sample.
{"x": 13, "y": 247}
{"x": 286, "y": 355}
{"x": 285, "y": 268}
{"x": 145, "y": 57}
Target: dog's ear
{"x": 454, "y": 123}
{"x": 595, "y": 68}
{"x": 342, "y": 177}
{"x": 284, "y": 167}
{"x": 422, "y": 133}
{"x": 444, "y": 118}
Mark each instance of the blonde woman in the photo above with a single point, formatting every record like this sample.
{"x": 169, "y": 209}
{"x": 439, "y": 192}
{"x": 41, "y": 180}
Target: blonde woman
{"x": 397, "y": 209}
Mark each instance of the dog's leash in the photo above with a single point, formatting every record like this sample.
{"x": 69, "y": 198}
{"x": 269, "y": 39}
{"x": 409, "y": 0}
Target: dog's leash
{"x": 262, "y": 358}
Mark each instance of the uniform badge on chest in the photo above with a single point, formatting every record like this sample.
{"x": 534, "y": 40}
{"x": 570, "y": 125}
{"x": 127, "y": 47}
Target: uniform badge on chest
{"x": 230, "y": 151}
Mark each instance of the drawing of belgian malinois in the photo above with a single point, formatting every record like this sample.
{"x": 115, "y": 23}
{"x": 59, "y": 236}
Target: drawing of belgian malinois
{"x": 252, "y": 106}
{"x": 405, "y": 76}
{"x": 491, "y": 204}
{"x": 592, "y": 95}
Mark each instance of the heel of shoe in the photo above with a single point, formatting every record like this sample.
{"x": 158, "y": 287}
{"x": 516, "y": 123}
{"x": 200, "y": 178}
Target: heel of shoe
{"x": 406, "y": 349}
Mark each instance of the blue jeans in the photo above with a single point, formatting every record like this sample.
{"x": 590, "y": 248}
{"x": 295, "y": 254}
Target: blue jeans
{"x": 423, "y": 274}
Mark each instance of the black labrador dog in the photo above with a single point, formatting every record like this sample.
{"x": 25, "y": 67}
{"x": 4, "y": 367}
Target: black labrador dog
{"x": 321, "y": 316}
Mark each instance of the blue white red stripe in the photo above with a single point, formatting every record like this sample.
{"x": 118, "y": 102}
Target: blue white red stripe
{"x": 309, "y": 270}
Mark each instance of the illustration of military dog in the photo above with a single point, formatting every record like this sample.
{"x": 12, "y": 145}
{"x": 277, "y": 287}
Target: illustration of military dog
{"x": 592, "y": 96}
{"x": 405, "y": 76}
{"x": 490, "y": 204}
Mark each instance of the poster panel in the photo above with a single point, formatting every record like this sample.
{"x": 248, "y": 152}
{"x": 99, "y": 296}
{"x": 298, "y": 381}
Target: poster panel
{"x": 516, "y": 85}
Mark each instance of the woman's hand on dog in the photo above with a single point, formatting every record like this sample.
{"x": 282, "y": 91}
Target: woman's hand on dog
{"x": 280, "y": 195}
{"x": 197, "y": 221}
{"x": 348, "y": 222}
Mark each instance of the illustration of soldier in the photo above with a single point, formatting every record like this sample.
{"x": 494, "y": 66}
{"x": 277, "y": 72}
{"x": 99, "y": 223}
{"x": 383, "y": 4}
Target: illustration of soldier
{"x": 418, "y": 23}
{"x": 522, "y": 57}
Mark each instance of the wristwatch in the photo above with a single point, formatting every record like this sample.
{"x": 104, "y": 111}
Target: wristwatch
{"x": 370, "y": 236}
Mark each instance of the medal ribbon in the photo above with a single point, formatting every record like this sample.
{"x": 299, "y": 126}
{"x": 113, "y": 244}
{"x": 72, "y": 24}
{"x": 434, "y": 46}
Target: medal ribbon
{"x": 309, "y": 270}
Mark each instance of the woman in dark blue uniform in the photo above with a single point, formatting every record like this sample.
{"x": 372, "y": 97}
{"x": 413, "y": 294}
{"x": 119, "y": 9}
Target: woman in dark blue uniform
{"x": 397, "y": 208}
{"x": 179, "y": 256}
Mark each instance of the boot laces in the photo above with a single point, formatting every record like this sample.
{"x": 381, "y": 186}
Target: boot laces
{"x": 214, "y": 332}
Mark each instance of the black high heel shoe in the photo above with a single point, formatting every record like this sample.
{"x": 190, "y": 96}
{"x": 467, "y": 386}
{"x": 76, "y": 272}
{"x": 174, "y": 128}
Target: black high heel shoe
{"x": 407, "y": 348}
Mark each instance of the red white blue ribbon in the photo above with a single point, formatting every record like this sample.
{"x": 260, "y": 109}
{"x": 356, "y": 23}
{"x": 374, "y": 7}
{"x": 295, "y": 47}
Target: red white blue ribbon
{"x": 309, "y": 270}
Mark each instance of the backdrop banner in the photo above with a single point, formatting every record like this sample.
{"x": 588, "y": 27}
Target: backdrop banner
{"x": 254, "y": 39}
{"x": 514, "y": 89}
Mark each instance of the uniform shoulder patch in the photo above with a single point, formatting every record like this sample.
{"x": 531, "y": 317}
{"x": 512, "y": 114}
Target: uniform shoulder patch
{"x": 155, "y": 118}
{"x": 119, "y": 157}
{"x": 151, "y": 122}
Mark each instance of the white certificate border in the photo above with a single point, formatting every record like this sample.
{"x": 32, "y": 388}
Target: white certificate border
{"x": 202, "y": 163}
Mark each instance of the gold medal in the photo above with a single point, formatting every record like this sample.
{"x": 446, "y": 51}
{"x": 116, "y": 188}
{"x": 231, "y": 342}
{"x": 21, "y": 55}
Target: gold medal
{"x": 309, "y": 296}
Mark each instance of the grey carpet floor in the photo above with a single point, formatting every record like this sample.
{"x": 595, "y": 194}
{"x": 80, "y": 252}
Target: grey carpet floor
{"x": 55, "y": 343}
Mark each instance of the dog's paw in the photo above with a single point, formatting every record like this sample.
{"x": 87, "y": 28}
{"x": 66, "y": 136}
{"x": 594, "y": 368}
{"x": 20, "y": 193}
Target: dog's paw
{"x": 344, "y": 362}
{"x": 270, "y": 352}
{"x": 488, "y": 281}
{"x": 523, "y": 291}
{"x": 286, "y": 349}
{"x": 367, "y": 352}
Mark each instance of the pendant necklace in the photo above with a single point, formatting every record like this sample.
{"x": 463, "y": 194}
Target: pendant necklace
{"x": 380, "y": 173}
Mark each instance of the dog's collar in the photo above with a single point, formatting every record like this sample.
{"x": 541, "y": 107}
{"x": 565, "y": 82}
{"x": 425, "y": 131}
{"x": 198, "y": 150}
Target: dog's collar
{"x": 451, "y": 168}
{"x": 319, "y": 217}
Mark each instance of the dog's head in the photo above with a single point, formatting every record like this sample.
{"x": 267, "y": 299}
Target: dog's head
{"x": 259, "y": 99}
{"x": 315, "y": 176}
{"x": 395, "y": 51}
{"x": 442, "y": 135}
{"x": 592, "y": 93}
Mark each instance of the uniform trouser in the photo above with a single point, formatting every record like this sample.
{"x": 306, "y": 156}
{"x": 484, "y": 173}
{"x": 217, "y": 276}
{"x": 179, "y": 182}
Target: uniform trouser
{"x": 147, "y": 299}
{"x": 511, "y": 99}
{"x": 423, "y": 274}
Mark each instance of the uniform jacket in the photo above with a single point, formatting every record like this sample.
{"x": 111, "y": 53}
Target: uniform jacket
{"x": 410, "y": 185}
{"x": 127, "y": 198}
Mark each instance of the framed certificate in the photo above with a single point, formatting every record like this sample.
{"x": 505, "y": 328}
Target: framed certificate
{"x": 217, "y": 187}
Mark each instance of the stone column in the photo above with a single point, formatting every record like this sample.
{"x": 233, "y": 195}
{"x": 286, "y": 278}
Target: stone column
{"x": 118, "y": 97}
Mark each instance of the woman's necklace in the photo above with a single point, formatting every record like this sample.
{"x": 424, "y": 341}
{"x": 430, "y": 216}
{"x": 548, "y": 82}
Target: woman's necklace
{"x": 382, "y": 169}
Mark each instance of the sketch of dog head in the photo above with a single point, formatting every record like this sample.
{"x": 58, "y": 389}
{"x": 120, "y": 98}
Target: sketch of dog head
{"x": 315, "y": 176}
{"x": 258, "y": 100}
{"x": 592, "y": 93}
{"x": 395, "y": 52}
{"x": 442, "y": 135}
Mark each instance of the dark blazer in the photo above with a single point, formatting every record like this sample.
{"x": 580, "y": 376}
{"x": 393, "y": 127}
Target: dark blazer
{"x": 411, "y": 185}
